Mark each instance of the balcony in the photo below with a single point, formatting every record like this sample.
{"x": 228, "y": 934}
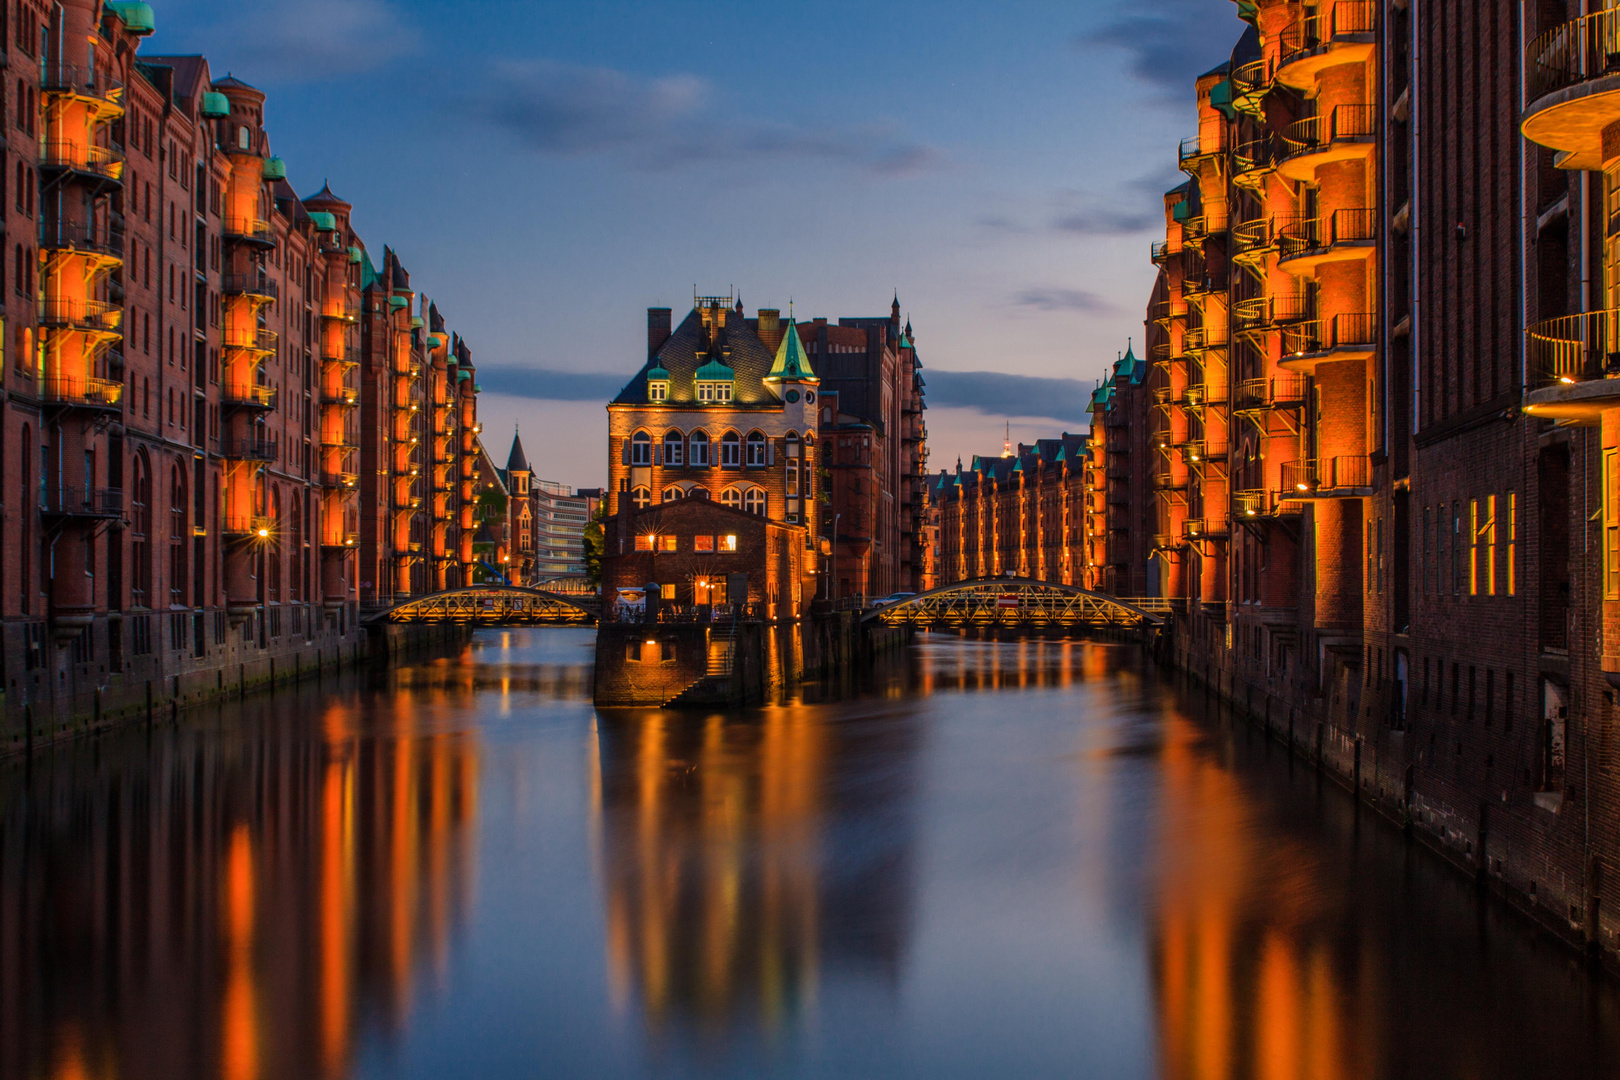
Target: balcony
{"x": 338, "y": 440}
{"x": 342, "y": 355}
{"x": 251, "y": 339}
{"x": 248, "y": 527}
{"x": 1196, "y": 529}
{"x": 79, "y": 237}
{"x": 1251, "y": 83}
{"x": 1197, "y": 453}
{"x": 1201, "y": 148}
{"x": 1350, "y": 336}
{"x": 1165, "y": 311}
{"x": 1339, "y": 33}
{"x": 1572, "y": 75}
{"x": 82, "y": 393}
{"x": 1169, "y": 482}
{"x": 1576, "y": 362}
{"x": 254, "y": 286}
{"x": 104, "y": 504}
{"x": 1346, "y": 133}
{"x": 1161, "y": 252}
{"x": 342, "y": 541}
{"x": 344, "y": 311}
{"x": 1337, "y": 237}
{"x": 1252, "y": 160}
{"x": 1275, "y": 392}
{"x": 250, "y": 231}
{"x": 91, "y": 316}
{"x": 1258, "y": 504}
{"x": 340, "y": 481}
{"x": 101, "y": 164}
{"x": 342, "y": 395}
{"x": 92, "y": 84}
{"x": 249, "y": 449}
{"x": 1201, "y": 338}
{"x": 1166, "y": 541}
{"x": 1335, "y": 477}
{"x": 261, "y": 398}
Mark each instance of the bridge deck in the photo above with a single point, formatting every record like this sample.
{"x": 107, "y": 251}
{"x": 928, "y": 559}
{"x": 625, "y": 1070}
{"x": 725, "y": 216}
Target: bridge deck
{"x": 1020, "y": 602}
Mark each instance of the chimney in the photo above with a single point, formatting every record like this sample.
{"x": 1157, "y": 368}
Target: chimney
{"x": 658, "y": 328}
{"x": 770, "y": 327}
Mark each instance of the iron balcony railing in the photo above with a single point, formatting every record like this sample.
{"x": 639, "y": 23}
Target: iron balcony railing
{"x": 1304, "y": 235}
{"x": 1345, "y": 123}
{"x": 1161, "y": 251}
{"x": 342, "y": 395}
{"x": 1575, "y": 347}
{"x": 1202, "y": 451}
{"x": 252, "y": 338}
{"x": 249, "y": 449}
{"x": 1272, "y": 392}
{"x": 102, "y": 161}
{"x": 1200, "y": 338}
{"x": 340, "y": 354}
{"x": 99, "y": 503}
{"x": 82, "y": 236}
{"x": 341, "y": 541}
{"x": 1203, "y": 144}
{"x": 1351, "y": 330}
{"x": 340, "y": 480}
{"x": 1166, "y": 310}
{"x": 1255, "y": 235}
{"x": 260, "y": 285}
{"x": 1347, "y": 19}
{"x": 73, "y": 314}
{"x": 1572, "y": 53}
{"x": 1254, "y": 156}
{"x": 338, "y": 439}
{"x": 341, "y": 310}
{"x": 249, "y": 526}
{"x": 87, "y": 392}
{"x": 1204, "y": 528}
{"x": 1252, "y": 81}
{"x": 89, "y": 82}
{"x": 248, "y": 397}
{"x": 1309, "y": 475}
{"x": 250, "y": 231}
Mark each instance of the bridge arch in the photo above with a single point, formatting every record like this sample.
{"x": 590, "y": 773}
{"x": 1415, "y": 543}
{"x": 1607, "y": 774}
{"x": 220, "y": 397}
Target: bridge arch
{"x": 1018, "y": 602}
{"x": 493, "y": 605}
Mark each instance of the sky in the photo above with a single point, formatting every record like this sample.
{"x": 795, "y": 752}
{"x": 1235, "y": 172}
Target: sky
{"x": 548, "y": 171}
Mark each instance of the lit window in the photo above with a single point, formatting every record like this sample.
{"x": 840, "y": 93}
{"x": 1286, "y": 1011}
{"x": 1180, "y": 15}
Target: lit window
{"x": 732, "y": 497}
{"x": 658, "y": 391}
{"x": 641, "y": 497}
{"x": 666, "y": 543}
{"x": 641, "y": 449}
{"x": 727, "y": 542}
{"x": 703, "y": 544}
{"x": 644, "y": 542}
{"x": 730, "y": 451}
{"x": 756, "y": 449}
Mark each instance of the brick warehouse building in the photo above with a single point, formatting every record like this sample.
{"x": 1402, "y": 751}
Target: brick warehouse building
{"x": 1386, "y": 313}
{"x": 813, "y": 425}
{"x": 179, "y": 435}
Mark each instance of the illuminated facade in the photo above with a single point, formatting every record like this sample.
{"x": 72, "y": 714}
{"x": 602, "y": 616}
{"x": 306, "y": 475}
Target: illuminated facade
{"x": 179, "y": 409}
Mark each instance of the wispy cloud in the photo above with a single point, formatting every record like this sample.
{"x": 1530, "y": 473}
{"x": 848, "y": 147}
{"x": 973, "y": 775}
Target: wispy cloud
{"x": 1169, "y": 43}
{"x": 552, "y": 385}
{"x": 569, "y": 109}
{"x": 1056, "y": 299}
{"x": 1133, "y": 206}
{"x": 306, "y": 40}
{"x": 997, "y": 393}
{"x": 1107, "y": 220}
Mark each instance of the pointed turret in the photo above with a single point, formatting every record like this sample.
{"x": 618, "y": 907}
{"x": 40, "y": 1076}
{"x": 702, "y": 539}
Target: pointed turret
{"x": 515, "y": 461}
{"x": 792, "y": 362}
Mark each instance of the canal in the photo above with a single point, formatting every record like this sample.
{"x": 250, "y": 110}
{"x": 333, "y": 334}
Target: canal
{"x": 990, "y": 859}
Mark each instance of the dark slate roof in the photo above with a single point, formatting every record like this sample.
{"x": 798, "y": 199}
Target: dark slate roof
{"x": 232, "y": 82}
{"x": 690, "y": 347}
{"x": 326, "y": 195}
{"x": 187, "y": 73}
{"x": 515, "y": 461}
{"x": 1247, "y": 48}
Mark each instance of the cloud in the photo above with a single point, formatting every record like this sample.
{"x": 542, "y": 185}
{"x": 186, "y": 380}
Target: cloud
{"x": 997, "y": 393}
{"x": 311, "y": 40}
{"x": 1169, "y": 43}
{"x": 1053, "y": 299}
{"x": 1107, "y": 221}
{"x": 551, "y": 385}
{"x": 572, "y": 110}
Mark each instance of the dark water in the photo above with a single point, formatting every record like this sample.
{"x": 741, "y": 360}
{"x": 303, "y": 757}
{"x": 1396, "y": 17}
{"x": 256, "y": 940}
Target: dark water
{"x": 1014, "y": 859}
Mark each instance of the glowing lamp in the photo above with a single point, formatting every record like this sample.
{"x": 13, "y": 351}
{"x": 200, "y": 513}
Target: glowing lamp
{"x": 1566, "y": 380}
{"x": 264, "y": 534}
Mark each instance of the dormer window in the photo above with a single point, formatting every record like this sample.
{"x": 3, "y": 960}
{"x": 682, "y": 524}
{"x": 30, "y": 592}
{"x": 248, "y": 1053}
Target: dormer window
{"x": 657, "y": 383}
{"x": 714, "y": 392}
{"x": 713, "y": 382}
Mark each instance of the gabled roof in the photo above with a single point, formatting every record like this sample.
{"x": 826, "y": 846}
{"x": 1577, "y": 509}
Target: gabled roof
{"x": 691, "y": 346}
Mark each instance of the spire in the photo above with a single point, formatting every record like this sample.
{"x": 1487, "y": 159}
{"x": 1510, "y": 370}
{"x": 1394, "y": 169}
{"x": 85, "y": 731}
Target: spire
{"x": 515, "y": 461}
{"x": 791, "y": 360}
{"x": 1006, "y": 446}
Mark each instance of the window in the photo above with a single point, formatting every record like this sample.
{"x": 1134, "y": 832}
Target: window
{"x": 671, "y": 494}
{"x": 699, "y": 447}
{"x": 703, "y": 544}
{"x": 727, "y": 542}
{"x": 1512, "y": 553}
{"x": 714, "y": 392}
{"x": 792, "y": 444}
{"x": 641, "y": 449}
{"x": 756, "y": 449}
{"x": 793, "y": 477}
{"x": 667, "y": 542}
{"x": 754, "y": 501}
{"x": 731, "y": 497}
{"x": 673, "y": 446}
{"x": 730, "y": 451}
{"x": 657, "y": 390}
{"x": 242, "y": 138}
{"x": 641, "y": 497}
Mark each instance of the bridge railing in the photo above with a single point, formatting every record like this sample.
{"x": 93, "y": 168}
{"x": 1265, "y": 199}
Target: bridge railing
{"x": 691, "y": 614}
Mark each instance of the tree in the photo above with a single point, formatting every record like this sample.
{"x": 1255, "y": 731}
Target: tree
{"x": 595, "y": 545}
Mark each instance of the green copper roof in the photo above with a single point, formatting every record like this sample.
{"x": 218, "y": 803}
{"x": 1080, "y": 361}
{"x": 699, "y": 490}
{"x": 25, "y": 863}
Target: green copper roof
{"x": 715, "y": 371}
{"x": 1220, "y": 97}
{"x": 137, "y": 17}
{"x": 416, "y": 322}
{"x": 1182, "y": 210}
{"x": 275, "y": 169}
{"x": 397, "y": 302}
{"x": 215, "y": 105}
{"x": 323, "y": 221}
{"x": 658, "y": 373}
{"x": 368, "y": 271}
{"x": 355, "y": 254}
{"x": 435, "y": 341}
{"x": 791, "y": 361}
{"x": 463, "y": 375}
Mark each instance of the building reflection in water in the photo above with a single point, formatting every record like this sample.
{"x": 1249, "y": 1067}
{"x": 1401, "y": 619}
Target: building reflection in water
{"x": 235, "y": 898}
{"x": 727, "y": 905}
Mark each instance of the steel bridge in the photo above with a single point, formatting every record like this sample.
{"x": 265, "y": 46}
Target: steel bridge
{"x": 494, "y": 605}
{"x": 1019, "y": 603}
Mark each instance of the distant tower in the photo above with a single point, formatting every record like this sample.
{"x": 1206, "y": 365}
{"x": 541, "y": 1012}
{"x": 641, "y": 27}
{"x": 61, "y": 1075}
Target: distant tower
{"x": 794, "y": 383}
{"x": 517, "y": 468}
{"x": 520, "y": 521}
{"x": 1006, "y": 445}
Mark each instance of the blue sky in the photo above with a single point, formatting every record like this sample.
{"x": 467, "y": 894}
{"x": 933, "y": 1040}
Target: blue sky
{"x": 550, "y": 170}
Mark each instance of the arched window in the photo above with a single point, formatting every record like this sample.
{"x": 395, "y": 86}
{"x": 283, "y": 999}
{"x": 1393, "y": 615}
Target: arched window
{"x": 177, "y": 535}
{"x": 641, "y": 497}
{"x": 730, "y": 450}
{"x": 672, "y": 493}
{"x": 732, "y": 497}
{"x": 140, "y": 529}
{"x": 242, "y": 137}
{"x": 697, "y": 493}
{"x": 754, "y": 501}
{"x": 792, "y": 477}
{"x": 756, "y": 448}
{"x": 673, "y": 446}
{"x": 641, "y": 448}
{"x": 295, "y": 593}
{"x": 791, "y": 444}
{"x": 698, "y": 444}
